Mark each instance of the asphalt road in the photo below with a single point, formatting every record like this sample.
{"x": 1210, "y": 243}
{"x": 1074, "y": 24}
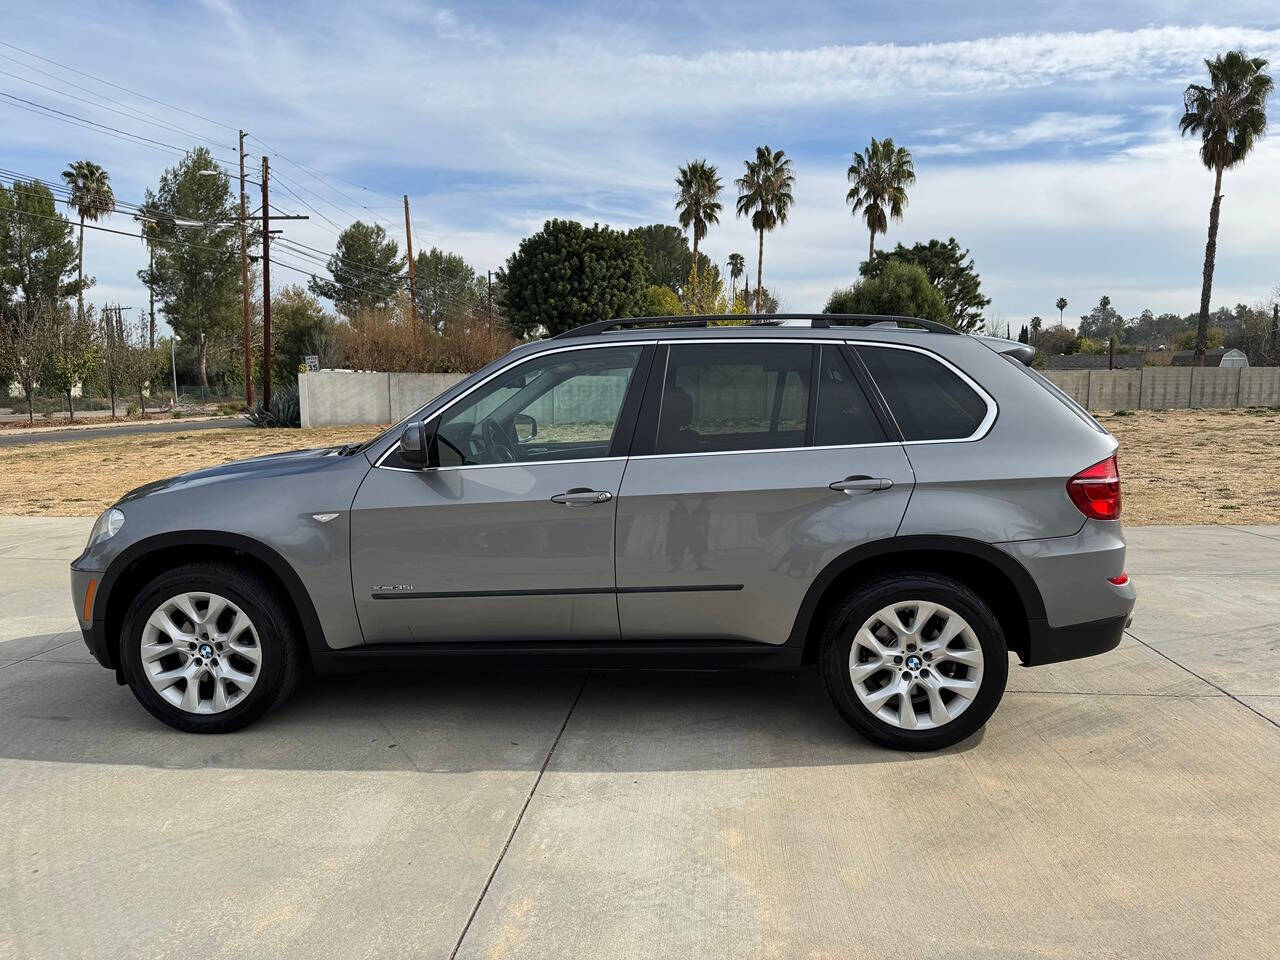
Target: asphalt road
{"x": 1122, "y": 806}
{"x": 13, "y": 438}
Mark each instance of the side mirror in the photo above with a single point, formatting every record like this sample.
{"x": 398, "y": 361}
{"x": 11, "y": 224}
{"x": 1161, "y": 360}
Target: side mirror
{"x": 526, "y": 427}
{"x": 415, "y": 444}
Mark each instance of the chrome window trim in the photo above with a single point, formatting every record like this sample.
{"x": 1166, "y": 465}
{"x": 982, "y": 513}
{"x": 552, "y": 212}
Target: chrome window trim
{"x": 983, "y": 428}
{"x": 993, "y": 408}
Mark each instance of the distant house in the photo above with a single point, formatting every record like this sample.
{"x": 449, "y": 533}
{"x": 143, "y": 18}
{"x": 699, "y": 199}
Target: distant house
{"x": 1093, "y": 361}
{"x": 1221, "y": 357}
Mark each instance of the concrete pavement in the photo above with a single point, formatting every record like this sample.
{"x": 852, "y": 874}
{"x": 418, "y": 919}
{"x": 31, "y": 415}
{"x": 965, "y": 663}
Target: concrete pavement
{"x": 1123, "y": 806}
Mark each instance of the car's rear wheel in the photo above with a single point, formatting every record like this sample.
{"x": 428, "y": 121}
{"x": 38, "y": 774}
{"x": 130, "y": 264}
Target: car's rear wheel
{"x": 209, "y": 648}
{"x": 914, "y": 661}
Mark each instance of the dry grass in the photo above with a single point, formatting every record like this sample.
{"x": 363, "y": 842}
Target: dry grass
{"x": 1179, "y": 466}
{"x": 1199, "y": 466}
{"x": 84, "y": 477}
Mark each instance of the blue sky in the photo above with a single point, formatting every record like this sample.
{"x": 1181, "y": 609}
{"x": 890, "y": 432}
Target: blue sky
{"x": 1044, "y": 133}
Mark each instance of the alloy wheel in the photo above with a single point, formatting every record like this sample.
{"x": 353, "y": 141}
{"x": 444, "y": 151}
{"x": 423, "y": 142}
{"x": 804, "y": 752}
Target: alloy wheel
{"x": 201, "y": 652}
{"x": 916, "y": 664}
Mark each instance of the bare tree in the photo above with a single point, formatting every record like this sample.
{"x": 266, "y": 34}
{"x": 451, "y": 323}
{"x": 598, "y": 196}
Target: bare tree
{"x": 139, "y": 363}
{"x": 24, "y": 349}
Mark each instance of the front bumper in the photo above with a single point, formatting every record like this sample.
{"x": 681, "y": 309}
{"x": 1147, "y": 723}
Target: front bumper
{"x": 93, "y": 631}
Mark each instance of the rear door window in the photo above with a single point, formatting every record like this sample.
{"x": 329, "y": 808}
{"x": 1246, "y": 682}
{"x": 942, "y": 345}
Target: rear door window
{"x": 929, "y": 401}
{"x": 843, "y": 416}
{"x": 734, "y": 396}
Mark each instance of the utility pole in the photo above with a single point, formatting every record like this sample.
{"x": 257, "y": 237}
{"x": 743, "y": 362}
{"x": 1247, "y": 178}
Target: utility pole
{"x": 408, "y": 245}
{"x": 490, "y": 276}
{"x": 244, "y": 285}
{"x": 151, "y": 295}
{"x": 266, "y": 287}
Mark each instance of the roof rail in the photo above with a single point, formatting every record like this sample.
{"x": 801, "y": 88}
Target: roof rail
{"x": 817, "y": 321}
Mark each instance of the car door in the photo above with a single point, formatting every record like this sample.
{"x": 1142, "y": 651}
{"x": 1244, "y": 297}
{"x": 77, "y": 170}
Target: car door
{"x": 756, "y": 462}
{"x": 512, "y": 536}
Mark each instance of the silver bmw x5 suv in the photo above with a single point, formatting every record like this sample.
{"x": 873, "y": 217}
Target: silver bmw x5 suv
{"x": 901, "y": 505}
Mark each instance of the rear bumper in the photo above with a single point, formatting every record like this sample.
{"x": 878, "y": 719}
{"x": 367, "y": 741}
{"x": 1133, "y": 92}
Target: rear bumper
{"x": 1048, "y": 644}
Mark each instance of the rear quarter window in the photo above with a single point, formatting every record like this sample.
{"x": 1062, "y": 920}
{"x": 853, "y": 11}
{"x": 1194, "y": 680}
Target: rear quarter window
{"x": 928, "y": 399}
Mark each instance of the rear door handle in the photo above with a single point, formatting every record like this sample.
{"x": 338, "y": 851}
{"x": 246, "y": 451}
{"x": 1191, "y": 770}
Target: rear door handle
{"x": 862, "y": 484}
{"x": 582, "y": 497}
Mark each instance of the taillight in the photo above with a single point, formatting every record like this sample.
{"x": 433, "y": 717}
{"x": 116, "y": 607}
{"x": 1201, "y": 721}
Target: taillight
{"x": 1096, "y": 490}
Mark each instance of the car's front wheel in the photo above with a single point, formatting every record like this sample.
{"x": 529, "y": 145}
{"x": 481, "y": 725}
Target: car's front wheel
{"x": 914, "y": 661}
{"x": 209, "y": 648}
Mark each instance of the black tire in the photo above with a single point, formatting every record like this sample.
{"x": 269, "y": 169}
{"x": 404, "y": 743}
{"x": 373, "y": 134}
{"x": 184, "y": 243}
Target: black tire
{"x": 280, "y": 650}
{"x": 862, "y": 603}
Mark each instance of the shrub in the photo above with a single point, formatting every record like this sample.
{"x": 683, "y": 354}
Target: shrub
{"x": 900, "y": 289}
{"x": 282, "y": 411}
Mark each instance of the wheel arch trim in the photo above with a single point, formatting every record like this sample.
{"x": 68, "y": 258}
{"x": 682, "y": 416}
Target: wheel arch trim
{"x": 281, "y": 569}
{"x": 1023, "y": 583}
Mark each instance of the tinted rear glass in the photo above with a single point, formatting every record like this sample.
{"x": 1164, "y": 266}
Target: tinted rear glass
{"x": 927, "y": 399}
{"x": 734, "y": 396}
{"x": 843, "y": 415}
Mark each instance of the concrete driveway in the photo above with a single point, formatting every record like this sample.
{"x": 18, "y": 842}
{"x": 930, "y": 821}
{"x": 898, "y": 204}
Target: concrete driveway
{"x": 1125, "y": 806}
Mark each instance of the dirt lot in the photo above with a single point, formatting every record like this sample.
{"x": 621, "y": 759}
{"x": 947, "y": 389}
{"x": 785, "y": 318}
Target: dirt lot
{"x": 1179, "y": 466}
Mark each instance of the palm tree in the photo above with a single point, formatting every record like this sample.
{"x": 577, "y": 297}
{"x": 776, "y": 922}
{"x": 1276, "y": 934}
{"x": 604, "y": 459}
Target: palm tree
{"x": 1035, "y": 328}
{"x": 737, "y": 267}
{"x": 880, "y": 176}
{"x": 1061, "y": 305}
{"x": 1230, "y": 115}
{"x": 698, "y": 189}
{"x": 91, "y": 197}
{"x": 764, "y": 193}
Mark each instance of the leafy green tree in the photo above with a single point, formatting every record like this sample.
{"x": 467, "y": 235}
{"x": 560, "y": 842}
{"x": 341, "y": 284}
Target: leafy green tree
{"x": 72, "y": 352}
{"x": 765, "y": 195}
{"x": 1230, "y": 115}
{"x": 1023, "y": 336}
{"x": 90, "y": 196}
{"x": 880, "y": 176}
{"x": 567, "y": 274}
{"x": 299, "y": 326}
{"x": 1102, "y": 322}
{"x": 1062, "y": 306}
{"x": 195, "y": 270}
{"x": 667, "y": 255}
{"x": 661, "y": 301}
{"x": 37, "y": 250}
{"x": 949, "y": 268}
{"x": 737, "y": 267}
{"x": 1036, "y": 324}
{"x": 1057, "y": 340}
{"x": 1189, "y": 339}
{"x": 899, "y": 290}
{"x": 366, "y": 268}
{"x": 698, "y": 205}
{"x": 447, "y": 287}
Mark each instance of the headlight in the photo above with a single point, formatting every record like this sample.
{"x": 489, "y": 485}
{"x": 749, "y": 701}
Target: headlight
{"x": 106, "y": 526}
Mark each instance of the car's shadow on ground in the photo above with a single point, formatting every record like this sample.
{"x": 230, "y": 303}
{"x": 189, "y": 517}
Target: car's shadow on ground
{"x": 452, "y": 722}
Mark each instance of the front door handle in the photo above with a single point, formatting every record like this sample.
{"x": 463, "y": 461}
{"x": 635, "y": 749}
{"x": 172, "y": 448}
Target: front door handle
{"x": 582, "y": 497}
{"x": 862, "y": 484}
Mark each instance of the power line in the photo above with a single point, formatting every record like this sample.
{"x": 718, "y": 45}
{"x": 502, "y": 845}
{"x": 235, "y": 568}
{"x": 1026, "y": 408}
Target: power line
{"x": 184, "y": 243}
{"x": 117, "y": 86}
{"x": 62, "y": 192}
{"x": 56, "y": 114}
{"x": 316, "y": 176}
{"x": 144, "y": 118}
